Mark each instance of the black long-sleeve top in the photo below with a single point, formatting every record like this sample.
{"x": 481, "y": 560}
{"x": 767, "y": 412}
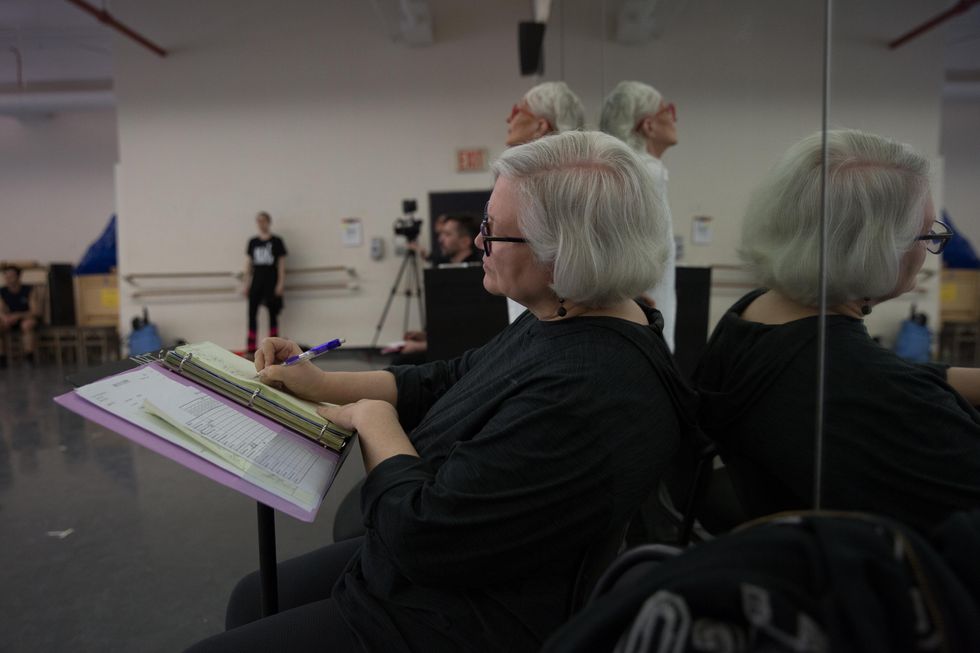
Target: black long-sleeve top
{"x": 898, "y": 440}
{"x": 531, "y": 448}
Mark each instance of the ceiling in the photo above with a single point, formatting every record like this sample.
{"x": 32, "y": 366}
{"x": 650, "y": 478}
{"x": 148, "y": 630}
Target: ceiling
{"x": 60, "y": 47}
{"x": 57, "y": 43}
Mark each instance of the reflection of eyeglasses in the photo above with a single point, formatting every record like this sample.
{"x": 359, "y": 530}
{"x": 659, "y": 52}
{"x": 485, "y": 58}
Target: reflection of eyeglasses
{"x": 516, "y": 109}
{"x": 664, "y": 108}
{"x": 936, "y": 241}
{"x": 487, "y": 238}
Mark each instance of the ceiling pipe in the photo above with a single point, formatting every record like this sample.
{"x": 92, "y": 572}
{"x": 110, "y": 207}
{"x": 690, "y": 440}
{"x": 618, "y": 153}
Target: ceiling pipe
{"x": 106, "y": 18}
{"x": 41, "y": 103}
{"x": 20, "y": 67}
{"x": 958, "y": 8}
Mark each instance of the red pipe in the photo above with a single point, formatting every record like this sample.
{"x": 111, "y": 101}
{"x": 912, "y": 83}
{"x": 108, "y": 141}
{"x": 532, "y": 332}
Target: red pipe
{"x": 958, "y": 8}
{"x": 106, "y": 18}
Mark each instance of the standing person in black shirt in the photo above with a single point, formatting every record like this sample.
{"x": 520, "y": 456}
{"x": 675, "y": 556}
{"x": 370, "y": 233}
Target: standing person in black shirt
{"x": 18, "y": 311}
{"x": 900, "y": 439}
{"x": 491, "y": 476}
{"x": 264, "y": 278}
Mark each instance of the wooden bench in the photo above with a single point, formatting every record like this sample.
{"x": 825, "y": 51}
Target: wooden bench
{"x": 88, "y": 345}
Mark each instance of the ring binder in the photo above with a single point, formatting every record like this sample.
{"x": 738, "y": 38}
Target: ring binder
{"x": 308, "y": 424}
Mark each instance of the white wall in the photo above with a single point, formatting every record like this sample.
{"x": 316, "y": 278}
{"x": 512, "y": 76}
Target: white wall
{"x": 961, "y": 150}
{"x": 56, "y": 184}
{"x": 307, "y": 110}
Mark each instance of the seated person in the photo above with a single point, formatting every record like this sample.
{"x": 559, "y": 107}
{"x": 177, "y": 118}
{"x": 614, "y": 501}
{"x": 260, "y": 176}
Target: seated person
{"x": 490, "y": 476}
{"x": 19, "y": 311}
{"x": 900, "y": 439}
{"x": 455, "y": 234}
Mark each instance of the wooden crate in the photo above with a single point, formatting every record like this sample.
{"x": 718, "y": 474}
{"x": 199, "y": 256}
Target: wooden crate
{"x": 959, "y": 296}
{"x": 97, "y": 299}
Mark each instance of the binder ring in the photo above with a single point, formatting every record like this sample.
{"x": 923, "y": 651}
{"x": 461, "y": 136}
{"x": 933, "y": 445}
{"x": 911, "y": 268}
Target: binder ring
{"x": 180, "y": 368}
{"x": 323, "y": 429}
{"x": 251, "y": 399}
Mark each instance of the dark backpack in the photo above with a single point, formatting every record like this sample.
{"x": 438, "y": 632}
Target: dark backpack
{"x": 793, "y": 582}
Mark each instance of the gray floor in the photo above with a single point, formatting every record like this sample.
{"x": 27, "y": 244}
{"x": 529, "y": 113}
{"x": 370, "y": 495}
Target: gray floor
{"x": 105, "y": 546}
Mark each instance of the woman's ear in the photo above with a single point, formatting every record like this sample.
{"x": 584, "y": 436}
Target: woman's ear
{"x": 645, "y": 127}
{"x": 543, "y": 128}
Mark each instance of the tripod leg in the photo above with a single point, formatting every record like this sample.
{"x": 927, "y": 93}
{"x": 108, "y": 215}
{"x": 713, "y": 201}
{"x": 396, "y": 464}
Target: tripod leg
{"x": 417, "y": 274}
{"x": 391, "y": 296}
{"x": 408, "y": 304}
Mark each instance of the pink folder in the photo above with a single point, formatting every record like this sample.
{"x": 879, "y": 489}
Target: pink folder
{"x": 141, "y": 436}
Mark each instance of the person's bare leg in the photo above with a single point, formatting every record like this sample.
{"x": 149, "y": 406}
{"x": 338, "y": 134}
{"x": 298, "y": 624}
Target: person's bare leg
{"x": 27, "y": 327}
{"x": 3, "y": 340}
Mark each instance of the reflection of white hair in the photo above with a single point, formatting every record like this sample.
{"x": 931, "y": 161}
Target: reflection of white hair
{"x": 587, "y": 205}
{"x": 877, "y": 192}
{"x": 556, "y": 103}
{"x": 624, "y": 107}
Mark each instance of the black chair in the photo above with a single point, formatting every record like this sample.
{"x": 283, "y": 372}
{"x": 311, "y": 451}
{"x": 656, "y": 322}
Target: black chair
{"x": 694, "y": 501}
{"x": 595, "y": 561}
{"x": 631, "y": 565}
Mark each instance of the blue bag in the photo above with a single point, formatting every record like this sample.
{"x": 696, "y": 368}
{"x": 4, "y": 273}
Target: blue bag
{"x": 100, "y": 257}
{"x": 145, "y": 340}
{"x": 913, "y": 342}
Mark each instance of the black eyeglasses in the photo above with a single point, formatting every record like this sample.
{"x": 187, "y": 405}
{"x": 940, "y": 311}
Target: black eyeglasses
{"x": 936, "y": 241}
{"x": 487, "y": 238}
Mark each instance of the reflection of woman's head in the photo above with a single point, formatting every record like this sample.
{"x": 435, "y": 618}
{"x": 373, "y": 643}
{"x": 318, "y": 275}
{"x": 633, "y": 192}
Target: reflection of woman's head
{"x": 878, "y": 196}
{"x": 547, "y": 108}
{"x": 625, "y": 109}
{"x": 586, "y": 205}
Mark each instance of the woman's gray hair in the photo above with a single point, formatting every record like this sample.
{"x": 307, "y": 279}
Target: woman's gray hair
{"x": 588, "y": 206}
{"x": 556, "y": 103}
{"x": 877, "y": 191}
{"x": 624, "y": 107}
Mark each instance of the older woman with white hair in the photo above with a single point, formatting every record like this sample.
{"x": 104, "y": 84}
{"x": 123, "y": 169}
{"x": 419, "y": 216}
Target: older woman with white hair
{"x": 548, "y": 108}
{"x": 900, "y": 439}
{"x": 636, "y": 114}
{"x": 491, "y": 476}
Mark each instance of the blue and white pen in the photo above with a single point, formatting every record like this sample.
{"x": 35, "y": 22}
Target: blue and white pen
{"x": 315, "y": 352}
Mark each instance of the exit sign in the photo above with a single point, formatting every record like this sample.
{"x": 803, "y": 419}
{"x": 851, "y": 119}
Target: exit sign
{"x": 471, "y": 160}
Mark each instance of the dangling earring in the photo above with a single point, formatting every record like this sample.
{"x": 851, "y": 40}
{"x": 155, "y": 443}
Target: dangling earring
{"x": 866, "y": 306}
{"x": 562, "y": 312}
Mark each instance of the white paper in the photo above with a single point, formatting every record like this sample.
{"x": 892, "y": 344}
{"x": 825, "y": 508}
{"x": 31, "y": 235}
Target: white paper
{"x": 352, "y": 234}
{"x": 275, "y": 460}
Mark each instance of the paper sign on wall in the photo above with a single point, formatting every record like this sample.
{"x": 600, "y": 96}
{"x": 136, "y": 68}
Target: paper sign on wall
{"x": 701, "y": 230}
{"x": 352, "y": 232}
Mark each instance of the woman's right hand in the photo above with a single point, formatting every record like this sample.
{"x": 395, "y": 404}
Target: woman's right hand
{"x": 305, "y": 380}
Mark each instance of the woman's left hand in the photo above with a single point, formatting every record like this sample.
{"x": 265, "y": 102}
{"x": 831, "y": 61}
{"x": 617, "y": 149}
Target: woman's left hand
{"x": 362, "y": 415}
{"x": 377, "y": 426}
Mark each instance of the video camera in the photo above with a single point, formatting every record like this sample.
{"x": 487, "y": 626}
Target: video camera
{"x": 408, "y": 226}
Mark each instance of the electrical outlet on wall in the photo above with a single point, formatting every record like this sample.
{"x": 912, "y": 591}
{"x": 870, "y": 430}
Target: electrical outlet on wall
{"x": 377, "y": 248}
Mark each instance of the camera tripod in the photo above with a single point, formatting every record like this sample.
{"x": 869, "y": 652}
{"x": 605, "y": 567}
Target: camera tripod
{"x": 413, "y": 287}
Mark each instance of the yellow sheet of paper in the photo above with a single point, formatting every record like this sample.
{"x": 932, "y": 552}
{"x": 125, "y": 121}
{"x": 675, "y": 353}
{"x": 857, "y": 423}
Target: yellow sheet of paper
{"x": 218, "y": 359}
